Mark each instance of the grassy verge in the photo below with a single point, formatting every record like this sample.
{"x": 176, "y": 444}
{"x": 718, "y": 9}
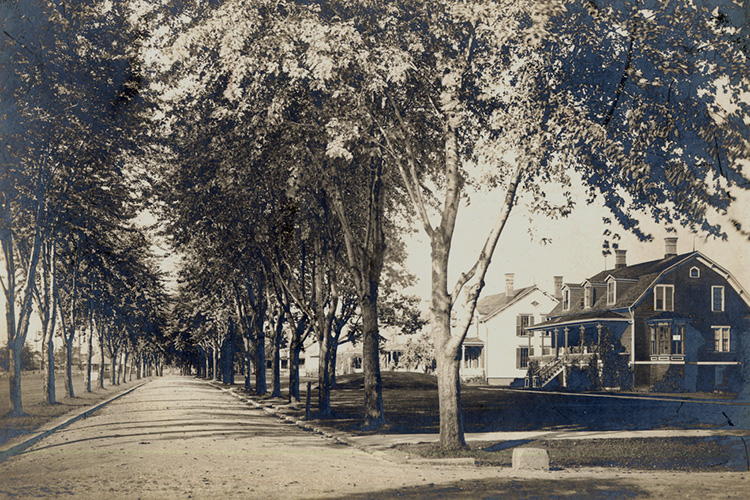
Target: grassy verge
{"x": 39, "y": 413}
{"x": 715, "y": 454}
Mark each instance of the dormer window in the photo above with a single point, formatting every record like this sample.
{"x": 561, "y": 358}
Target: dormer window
{"x": 566, "y": 299}
{"x": 664, "y": 298}
{"x": 695, "y": 272}
{"x": 611, "y": 292}
{"x": 589, "y": 296}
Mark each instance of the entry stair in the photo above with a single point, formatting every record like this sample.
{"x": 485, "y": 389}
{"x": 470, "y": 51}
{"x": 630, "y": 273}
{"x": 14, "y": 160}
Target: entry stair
{"x": 548, "y": 372}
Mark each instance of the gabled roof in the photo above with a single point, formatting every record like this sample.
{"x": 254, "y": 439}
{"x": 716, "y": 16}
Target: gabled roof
{"x": 491, "y": 305}
{"x": 642, "y": 278}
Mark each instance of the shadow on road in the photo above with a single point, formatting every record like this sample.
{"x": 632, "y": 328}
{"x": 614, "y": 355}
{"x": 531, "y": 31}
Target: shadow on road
{"x": 532, "y": 488}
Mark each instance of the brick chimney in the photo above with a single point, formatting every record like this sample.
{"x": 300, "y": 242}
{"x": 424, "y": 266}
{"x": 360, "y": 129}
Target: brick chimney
{"x": 509, "y": 289}
{"x": 670, "y": 247}
{"x": 558, "y": 283}
{"x": 620, "y": 259}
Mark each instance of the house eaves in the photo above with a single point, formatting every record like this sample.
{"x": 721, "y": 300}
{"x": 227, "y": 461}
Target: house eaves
{"x": 523, "y": 292}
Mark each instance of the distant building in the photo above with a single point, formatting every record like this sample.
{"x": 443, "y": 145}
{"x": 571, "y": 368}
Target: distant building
{"x": 683, "y": 311}
{"x": 499, "y": 347}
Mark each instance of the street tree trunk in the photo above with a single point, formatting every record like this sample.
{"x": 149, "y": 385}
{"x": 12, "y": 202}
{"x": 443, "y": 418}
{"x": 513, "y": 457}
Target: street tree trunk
{"x": 374, "y": 414}
{"x": 295, "y": 347}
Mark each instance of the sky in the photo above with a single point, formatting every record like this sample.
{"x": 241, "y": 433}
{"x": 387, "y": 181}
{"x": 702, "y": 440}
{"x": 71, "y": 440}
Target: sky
{"x": 575, "y": 250}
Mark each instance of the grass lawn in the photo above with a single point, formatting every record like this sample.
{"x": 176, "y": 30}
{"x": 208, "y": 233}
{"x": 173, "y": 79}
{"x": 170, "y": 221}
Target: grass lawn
{"x": 37, "y": 411}
{"x": 411, "y": 406}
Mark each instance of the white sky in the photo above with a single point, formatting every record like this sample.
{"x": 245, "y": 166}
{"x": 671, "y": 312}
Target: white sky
{"x": 575, "y": 251}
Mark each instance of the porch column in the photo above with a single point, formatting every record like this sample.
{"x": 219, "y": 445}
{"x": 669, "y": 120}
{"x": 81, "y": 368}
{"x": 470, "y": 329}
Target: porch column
{"x": 541, "y": 340}
{"x": 555, "y": 333}
{"x": 463, "y": 356}
{"x": 599, "y": 333}
{"x": 583, "y": 337}
{"x": 566, "y": 330}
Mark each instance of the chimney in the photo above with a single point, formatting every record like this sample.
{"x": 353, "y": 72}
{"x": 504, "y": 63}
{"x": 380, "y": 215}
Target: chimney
{"x": 509, "y": 289}
{"x": 670, "y": 247}
{"x": 620, "y": 259}
{"x": 558, "y": 283}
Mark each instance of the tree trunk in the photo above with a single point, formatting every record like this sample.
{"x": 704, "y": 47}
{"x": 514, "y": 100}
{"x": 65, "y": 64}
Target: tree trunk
{"x": 294, "y": 349}
{"x": 138, "y": 363}
{"x": 332, "y": 361}
{"x": 276, "y": 363}
{"x": 215, "y": 370}
{"x": 89, "y": 355}
{"x": 449, "y": 395}
{"x": 101, "y": 361}
{"x": 124, "y": 366}
{"x": 249, "y": 348}
{"x": 69, "y": 367}
{"x": 260, "y": 367}
{"x": 14, "y": 369}
{"x": 324, "y": 388}
{"x": 114, "y": 368}
{"x": 374, "y": 415}
{"x": 49, "y": 372}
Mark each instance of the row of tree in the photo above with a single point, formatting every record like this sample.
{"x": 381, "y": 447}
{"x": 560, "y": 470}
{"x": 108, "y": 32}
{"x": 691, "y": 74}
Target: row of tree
{"x": 286, "y": 147}
{"x": 315, "y": 127}
{"x": 73, "y": 252}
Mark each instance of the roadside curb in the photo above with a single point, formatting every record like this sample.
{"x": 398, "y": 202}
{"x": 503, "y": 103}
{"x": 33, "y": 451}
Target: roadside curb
{"x": 19, "y": 444}
{"x": 342, "y": 437}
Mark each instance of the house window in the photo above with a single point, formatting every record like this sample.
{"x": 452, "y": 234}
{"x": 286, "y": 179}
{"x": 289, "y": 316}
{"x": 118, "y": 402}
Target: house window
{"x": 717, "y": 298}
{"x": 667, "y": 338}
{"x": 566, "y": 300}
{"x": 472, "y": 356}
{"x": 664, "y": 298}
{"x": 589, "y": 296}
{"x": 522, "y": 357}
{"x": 611, "y": 295}
{"x": 721, "y": 338}
{"x": 695, "y": 272}
{"x": 522, "y": 322}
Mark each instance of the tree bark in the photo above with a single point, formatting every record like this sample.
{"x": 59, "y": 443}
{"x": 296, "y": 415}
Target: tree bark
{"x": 101, "y": 360}
{"x": 295, "y": 347}
{"x": 374, "y": 414}
{"x": 89, "y": 355}
{"x": 324, "y": 388}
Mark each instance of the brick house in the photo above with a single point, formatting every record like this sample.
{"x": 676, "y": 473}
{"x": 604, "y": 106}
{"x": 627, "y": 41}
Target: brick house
{"x": 683, "y": 311}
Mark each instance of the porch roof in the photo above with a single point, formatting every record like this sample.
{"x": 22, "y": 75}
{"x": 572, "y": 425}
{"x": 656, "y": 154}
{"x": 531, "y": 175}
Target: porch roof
{"x": 581, "y": 319}
{"x": 473, "y": 341}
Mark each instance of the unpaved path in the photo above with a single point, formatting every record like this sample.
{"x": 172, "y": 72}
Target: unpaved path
{"x": 177, "y": 437}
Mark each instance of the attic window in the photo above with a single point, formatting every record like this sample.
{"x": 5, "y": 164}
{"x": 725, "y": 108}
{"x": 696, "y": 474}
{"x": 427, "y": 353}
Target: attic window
{"x": 589, "y": 296}
{"x": 695, "y": 272}
{"x": 566, "y": 300}
{"x": 535, "y": 303}
{"x": 611, "y": 292}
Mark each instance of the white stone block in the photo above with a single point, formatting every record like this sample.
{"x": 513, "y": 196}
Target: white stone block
{"x": 530, "y": 459}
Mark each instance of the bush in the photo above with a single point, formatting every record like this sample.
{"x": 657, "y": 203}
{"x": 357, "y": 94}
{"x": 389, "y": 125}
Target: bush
{"x": 672, "y": 381}
{"x": 28, "y": 361}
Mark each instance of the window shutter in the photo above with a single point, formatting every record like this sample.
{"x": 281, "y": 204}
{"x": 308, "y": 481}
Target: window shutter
{"x": 732, "y": 341}
{"x": 519, "y": 328}
{"x": 531, "y": 320}
{"x": 518, "y": 357}
{"x": 711, "y": 340}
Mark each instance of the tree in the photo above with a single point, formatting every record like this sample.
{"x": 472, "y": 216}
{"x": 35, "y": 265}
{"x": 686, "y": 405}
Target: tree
{"x": 512, "y": 95}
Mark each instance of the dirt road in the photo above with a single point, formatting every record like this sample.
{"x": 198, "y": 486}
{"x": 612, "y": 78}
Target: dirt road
{"x": 178, "y": 437}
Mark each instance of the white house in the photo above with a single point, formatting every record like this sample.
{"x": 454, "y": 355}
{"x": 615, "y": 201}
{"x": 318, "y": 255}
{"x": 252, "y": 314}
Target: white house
{"x": 499, "y": 347}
